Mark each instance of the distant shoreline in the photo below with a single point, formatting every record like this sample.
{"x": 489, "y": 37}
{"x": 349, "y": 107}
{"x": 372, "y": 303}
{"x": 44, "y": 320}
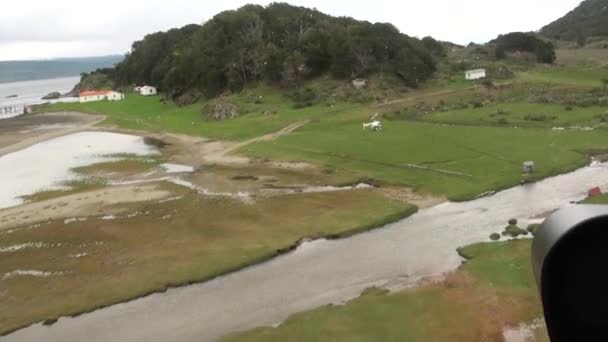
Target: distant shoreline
{"x": 39, "y": 79}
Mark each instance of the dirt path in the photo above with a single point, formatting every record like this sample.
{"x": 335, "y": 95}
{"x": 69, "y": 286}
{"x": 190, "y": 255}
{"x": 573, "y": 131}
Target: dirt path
{"x": 81, "y": 122}
{"x": 222, "y": 155}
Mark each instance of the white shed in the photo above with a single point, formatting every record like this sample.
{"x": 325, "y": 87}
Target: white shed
{"x": 115, "y": 96}
{"x": 360, "y": 83}
{"x": 475, "y": 74}
{"x": 147, "y": 90}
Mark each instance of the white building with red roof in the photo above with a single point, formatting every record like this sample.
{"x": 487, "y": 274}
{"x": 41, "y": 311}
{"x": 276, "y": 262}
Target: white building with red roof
{"x": 100, "y": 95}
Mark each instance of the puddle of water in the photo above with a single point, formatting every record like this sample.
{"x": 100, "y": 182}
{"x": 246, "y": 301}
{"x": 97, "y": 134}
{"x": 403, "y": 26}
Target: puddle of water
{"x": 78, "y": 256}
{"x": 240, "y": 195}
{"x": 312, "y": 189}
{"x": 21, "y": 173}
{"x": 30, "y": 273}
{"x": 28, "y": 245}
{"x": 74, "y": 219}
{"x": 176, "y": 168}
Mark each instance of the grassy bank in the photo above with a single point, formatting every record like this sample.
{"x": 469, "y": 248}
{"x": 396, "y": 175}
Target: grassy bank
{"x": 494, "y": 289}
{"x": 603, "y": 199}
{"x": 98, "y": 262}
{"x": 578, "y": 76}
{"x": 459, "y": 161}
{"x": 523, "y": 115}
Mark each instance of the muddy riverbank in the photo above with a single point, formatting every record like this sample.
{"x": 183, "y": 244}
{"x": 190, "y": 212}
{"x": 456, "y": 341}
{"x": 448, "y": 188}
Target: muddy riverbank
{"x": 321, "y": 272}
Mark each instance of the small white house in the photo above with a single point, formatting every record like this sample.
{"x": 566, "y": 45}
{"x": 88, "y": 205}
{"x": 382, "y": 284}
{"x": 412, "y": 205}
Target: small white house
{"x": 115, "y": 96}
{"x": 147, "y": 90}
{"x": 99, "y": 95}
{"x": 475, "y": 74}
{"x": 360, "y": 83}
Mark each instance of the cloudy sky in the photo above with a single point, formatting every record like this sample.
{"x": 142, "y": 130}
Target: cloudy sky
{"x": 38, "y": 29}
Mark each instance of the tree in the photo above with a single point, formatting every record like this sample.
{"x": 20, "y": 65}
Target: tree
{"x": 281, "y": 44}
{"x": 500, "y": 52}
{"x": 488, "y": 84}
{"x": 581, "y": 40}
{"x": 605, "y": 84}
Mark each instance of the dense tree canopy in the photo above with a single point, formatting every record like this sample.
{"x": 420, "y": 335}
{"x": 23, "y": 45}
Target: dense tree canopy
{"x": 281, "y": 44}
{"x": 524, "y": 42}
{"x": 589, "y": 19}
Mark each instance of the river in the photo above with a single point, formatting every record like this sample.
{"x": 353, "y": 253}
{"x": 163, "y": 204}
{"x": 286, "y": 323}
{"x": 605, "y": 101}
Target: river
{"x": 321, "y": 272}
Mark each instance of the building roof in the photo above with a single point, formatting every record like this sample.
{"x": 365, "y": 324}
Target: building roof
{"x": 477, "y": 70}
{"x": 94, "y": 92}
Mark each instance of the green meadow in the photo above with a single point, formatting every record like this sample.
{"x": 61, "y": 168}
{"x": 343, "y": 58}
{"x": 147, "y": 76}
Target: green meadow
{"x": 458, "y": 161}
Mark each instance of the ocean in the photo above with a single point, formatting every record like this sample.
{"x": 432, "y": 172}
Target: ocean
{"x": 31, "y": 92}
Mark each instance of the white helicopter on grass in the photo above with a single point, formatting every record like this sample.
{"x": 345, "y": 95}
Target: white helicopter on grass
{"x": 374, "y": 125}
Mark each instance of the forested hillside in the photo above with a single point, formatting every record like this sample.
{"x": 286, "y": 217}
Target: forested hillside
{"x": 589, "y": 19}
{"x": 280, "y": 44}
{"x": 517, "y": 42}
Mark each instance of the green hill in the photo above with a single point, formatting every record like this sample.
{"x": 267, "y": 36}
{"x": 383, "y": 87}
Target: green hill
{"x": 279, "y": 44}
{"x": 589, "y": 19}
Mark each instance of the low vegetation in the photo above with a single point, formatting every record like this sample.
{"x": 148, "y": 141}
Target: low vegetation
{"x": 459, "y": 161}
{"x": 603, "y": 199}
{"x": 99, "y": 262}
{"x": 494, "y": 289}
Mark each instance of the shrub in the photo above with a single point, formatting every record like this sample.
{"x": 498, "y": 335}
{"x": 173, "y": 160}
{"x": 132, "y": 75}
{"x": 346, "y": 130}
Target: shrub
{"x": 539, "y": 117}
{"x": 495, "y": 237}
{"x": 569, "y": 108}
{"x": 533, "y": 229}
{"x": 503, "y": 121}
{"x": 477, "y": 104}
{"x": 512, "y": 222}
{"x": 514, "y": 231}
{"x": 303, "y": 98}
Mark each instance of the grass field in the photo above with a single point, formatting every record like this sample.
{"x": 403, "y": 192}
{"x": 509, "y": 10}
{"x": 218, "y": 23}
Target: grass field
{"x": 523, "y": 115}
{"x": 148, "y": 113}
{"x": 603, "y": 199}
{"x": 101, "y": 262}
{"x": 578, "y": 76}
{"x": 485, "y": 158}
{"x": 494, "y": 289}
{"x": 490, "y": 158}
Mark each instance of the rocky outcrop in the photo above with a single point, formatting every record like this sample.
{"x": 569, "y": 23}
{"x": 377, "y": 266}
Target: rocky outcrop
{"x": 52, "y": 96}
{"x": 220, "y": 110}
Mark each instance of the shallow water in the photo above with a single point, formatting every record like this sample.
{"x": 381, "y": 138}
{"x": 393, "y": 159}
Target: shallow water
{"x": 48, "y": 165}
{"x": 31, "y": 92}
{"x": 176, "y": 168}
{"x": 321, "y": 272}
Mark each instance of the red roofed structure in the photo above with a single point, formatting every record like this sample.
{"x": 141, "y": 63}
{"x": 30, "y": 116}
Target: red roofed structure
{"x": 594, "y": 192}
{"x": 99, "y": 95}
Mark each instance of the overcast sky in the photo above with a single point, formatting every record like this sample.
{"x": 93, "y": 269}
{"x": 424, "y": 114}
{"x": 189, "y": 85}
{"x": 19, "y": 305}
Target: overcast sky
{"x": 39, "y": 29}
